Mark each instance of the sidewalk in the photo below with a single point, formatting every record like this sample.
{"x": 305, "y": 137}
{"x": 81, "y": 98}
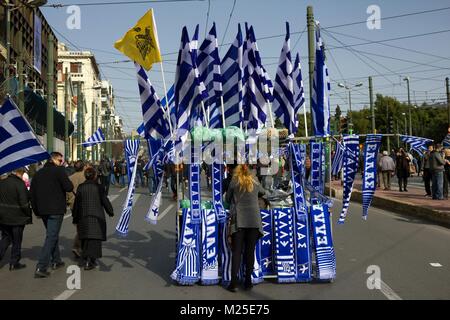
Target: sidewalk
{"x": 411, "y": 203}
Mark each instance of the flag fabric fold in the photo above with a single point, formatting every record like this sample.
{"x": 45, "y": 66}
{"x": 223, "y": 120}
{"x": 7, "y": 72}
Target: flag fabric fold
{"x": 371, "y": 150}
{"x": 97, "y": 137}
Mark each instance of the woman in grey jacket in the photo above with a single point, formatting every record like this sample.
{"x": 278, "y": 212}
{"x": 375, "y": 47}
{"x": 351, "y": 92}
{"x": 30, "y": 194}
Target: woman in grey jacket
{"x": 245, "y": 222}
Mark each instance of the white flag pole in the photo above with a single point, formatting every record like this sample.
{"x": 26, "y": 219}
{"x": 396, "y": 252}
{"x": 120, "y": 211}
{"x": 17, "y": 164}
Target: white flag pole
{"x": 223, "y": 111}
{"x": 306, "y": 122}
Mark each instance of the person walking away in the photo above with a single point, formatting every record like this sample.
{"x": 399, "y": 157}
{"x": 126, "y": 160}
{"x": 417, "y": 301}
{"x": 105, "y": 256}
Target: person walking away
{"x": 117, "y": 171}
{"x": 437, "y": 163}
{"x": 77, "y": 178}
{"x": 426, "y": 171}
{"x": 379, "y": 174}
{"x": 89, "y": 214}
{"x": 446, "y": 172}
{"x": 245, "y": 222}
{"x": 105, "y": 171}
{"x": 15, "y": 213}
{"x": 48, "y": 200}
{"x": 402, "y": 168}
{"x": 387, "y": 168}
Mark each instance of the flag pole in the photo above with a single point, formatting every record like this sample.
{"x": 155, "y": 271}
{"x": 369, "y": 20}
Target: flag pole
{"x": 166, "y": 110}
{"x": 223, "y": 111}
{"x": 306, "y": 122}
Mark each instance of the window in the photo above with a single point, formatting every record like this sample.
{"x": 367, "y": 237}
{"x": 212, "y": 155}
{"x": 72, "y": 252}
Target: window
{"x": 75, "y": 67}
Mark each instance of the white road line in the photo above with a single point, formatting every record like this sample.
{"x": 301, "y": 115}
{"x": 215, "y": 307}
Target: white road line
{"x": 125, "y": 188}
{"x": 65, "y": 295}
{"x": 113, "y": 197}
{"x": 388, "y": 292}
{"x": 165, "y": 211}
{"x": 435, "y": 264}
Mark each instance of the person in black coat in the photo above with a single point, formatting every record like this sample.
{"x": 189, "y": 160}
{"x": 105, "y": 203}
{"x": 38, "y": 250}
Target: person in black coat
{"x": 89, "y": 214}
{"x": 15, "y": 213}
{"x": 48, "y": 200}
{"x": 402, "y": 168}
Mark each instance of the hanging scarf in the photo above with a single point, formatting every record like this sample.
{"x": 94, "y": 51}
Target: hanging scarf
{"x": 316, "y": 166}
{"x": 131, "y": 150}
{"x": 371, "y": 149}
{"x": 210, "y": 245}
{"x": 154, "y": 147}
{"x": 225, "y": 252}
{"x": 257, "y": 274}
{"x": 194, "y": 188}
{"x": 323, "y": 243}
{"x": 350, "y": 165}
{"x": 187, "y": 270}
{"x": 155, "y": 202}
{"x": 217, "y": 191}
{"x": 131, "y": 154}
{"x": 284, "y": 246}
{"x": 266, "y": 243}
{"x": 301, "y": 234}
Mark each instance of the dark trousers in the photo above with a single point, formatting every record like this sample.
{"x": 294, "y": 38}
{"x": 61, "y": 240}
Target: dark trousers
{"x": 427, "y": 181}
{"x": 402, "y": 181}
{"x": 243, "y": 241}
{"x": 11, "y": 235}
{"x": 106, "y": 181}
{"x": 50, "y": 250}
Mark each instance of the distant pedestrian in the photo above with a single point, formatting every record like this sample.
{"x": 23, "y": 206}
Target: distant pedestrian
{"x": 89, "y": 214}
{"x": 77, "y": 178}
{"x": 105, "y": 173}
{"x": 426, "y": 176}
{"x": 437, "y": 163}
{"x": 402, "y": 169}
{"x": 387, "y": 168}
{"x": 446, "y": 172}
{"x": 15, "y": 213}
{"x": 48, "y": 199}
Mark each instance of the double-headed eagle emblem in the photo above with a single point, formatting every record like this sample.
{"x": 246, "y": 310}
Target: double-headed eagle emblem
{"x": 144, "y": 41}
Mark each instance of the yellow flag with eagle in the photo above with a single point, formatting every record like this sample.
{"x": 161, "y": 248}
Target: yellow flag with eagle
{"x": 141, "y": 43}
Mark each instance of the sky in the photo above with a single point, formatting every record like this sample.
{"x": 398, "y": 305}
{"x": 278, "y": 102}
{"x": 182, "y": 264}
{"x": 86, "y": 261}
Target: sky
{"x": 425, "y": 59}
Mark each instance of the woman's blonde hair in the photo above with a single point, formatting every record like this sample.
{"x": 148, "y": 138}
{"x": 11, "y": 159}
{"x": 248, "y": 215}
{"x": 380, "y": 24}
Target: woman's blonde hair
{"x": 244, "y": 178}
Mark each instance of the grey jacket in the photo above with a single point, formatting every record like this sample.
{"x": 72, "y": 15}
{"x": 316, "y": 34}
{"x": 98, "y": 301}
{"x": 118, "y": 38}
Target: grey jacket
{"x": 244, "y": 207}
{"x": 386, "y": 163}
{"x": 437, "y": 162}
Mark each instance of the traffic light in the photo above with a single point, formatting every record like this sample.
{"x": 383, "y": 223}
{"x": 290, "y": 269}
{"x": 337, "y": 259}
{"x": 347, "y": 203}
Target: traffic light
{"x": 390, "y": 126}
{"x": 343, "y": 128}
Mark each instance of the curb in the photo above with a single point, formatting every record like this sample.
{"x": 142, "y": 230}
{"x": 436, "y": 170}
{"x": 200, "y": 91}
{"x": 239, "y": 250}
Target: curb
{"x": 441, "y": 218}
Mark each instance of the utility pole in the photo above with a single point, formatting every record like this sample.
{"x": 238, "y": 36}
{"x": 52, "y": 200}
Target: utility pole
{"x": 372, "y": 111}
{"x": 8, "y": 45}
{"x": 388, "y": 130}
{"x": 93, "y": 129}
{"x": 448, "y": 100}
{"x": 79, "y": 121}
{"x": 350, "y": 121}
{"x": 409, "y": 105}
{"x": 66, "y": 114}
{"x": 20, "y": 74}
{"x": 50, "y": 87}
{"x": 83, "y": 108}
{"x": 311, "y": 56}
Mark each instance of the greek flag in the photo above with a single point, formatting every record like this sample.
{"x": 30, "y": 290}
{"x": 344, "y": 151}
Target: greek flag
{"x": 321, "y": 89}
{"x": 336, "y": 166}
{"x": 299, "y": 92}
{"x": 283, "y": 103}
{"x": 97, "y": 137}
{"x": 268, "y": 85}
{"x": 446, "y": 141}
{"x": 155, "y": 123}
{"x": 189, "y": 91}
{"x": 417, "y": 144}
{"x": 255, "y": 94}
{"x": 231, "y": 67}
{"x": 208, "y": 63}
{"x": 131, "y": 151}
{"x": 18, "y": 144}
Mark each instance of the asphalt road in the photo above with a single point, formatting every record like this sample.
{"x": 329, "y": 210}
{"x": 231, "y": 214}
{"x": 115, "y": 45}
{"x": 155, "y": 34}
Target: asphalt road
{"x": 413, "y": 258}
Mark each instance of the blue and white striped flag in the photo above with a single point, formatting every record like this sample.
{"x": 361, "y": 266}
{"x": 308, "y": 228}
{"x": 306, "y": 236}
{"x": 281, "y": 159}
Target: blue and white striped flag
{"x": 255, "y": 94}
{"x": 371, "y": 150}
{"x": 417, "y": 144}
{"x": 299, "y": 92}
{"x": 131, "y": 152}
{"x": 446, "y": 141}
{"x": 283, "y": 103}
{"x": 18, "y": 144}
{"x": 97, "y": 137}
{"x": 321, "y": 90}
{"x": 208, "y": 63}
{"x": 156, "y": 124}
{"x": 338, "y": 159}
{"x": 189, "y": 90}
{"x": 231, "y": 67}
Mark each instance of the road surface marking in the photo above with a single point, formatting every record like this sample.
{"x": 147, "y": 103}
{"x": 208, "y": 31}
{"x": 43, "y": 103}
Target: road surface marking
{"x": 124, "y": 188}
{"x": 113, "y": 197}
{"x": 165, "y": 211}
{"x": 388, "y": 292}
{"x": 65, "y": 295}
{"x": 435, "y": 264}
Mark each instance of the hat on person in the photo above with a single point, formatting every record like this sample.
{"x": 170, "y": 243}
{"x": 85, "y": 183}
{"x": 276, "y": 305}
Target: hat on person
{"x": 385, "y": 153}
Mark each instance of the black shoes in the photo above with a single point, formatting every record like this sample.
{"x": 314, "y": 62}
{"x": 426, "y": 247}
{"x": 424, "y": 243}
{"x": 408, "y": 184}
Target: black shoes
{"x": 58, "y": 265}
{"x": 232, "y": 287}
{"x": 248, "y": 285}
{"x": 89, "y": 265}
{"x": 16, "y": 266}
{"x": 41, "y": 273}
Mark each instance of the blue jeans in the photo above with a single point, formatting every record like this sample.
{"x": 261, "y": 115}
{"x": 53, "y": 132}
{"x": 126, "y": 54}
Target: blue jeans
{"x": 152, "y": 184}
{"x": 122, "y": 181}
{"x": 113, "y": 179}
{"x": 437, "y": 178}
{"x": 50, "y": 250}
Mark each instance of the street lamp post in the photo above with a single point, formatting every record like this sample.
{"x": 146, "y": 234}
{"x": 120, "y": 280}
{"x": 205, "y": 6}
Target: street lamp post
{"x": 406, "y": 126}
{"x": 409, "y": 105}
{"x": 349, "y": 88}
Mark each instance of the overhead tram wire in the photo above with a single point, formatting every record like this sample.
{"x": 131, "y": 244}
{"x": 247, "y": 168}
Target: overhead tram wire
{"x": 207, "y": 17}
{"x": 228, "y": 24}
{"x": 60, "y": 5}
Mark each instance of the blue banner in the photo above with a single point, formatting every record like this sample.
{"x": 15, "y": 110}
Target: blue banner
{"x": 217, "y": 191}
{"x": 284, "y": 246}
{"x": 371, "y": 150}
{"x": 323, "y": 243}
{"x": 225, "y": 253}
{"x": 210, "y": 246}
{"x": 194, "y": 191}
{"x": 267, "y": 243}
{"x": 316, "y": 166}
